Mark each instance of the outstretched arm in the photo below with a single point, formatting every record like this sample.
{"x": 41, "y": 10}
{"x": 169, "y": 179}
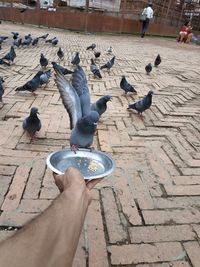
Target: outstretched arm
{"x": 51, "y": 238}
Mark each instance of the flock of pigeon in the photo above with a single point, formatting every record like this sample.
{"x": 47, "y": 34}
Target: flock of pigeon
{"x": 74, "y": 92}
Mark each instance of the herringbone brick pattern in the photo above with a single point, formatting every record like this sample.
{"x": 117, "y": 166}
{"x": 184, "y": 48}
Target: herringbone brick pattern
{"x": 146, "y": 214}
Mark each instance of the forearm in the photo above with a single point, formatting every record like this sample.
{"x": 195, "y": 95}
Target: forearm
{"x": 51, "y": 239}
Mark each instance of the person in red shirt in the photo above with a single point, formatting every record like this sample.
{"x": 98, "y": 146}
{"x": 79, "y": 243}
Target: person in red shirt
{"x": 183, "y": 32}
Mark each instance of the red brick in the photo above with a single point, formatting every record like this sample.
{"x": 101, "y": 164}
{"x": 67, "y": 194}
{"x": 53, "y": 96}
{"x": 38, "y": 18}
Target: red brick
{"x": 145, "y": 253}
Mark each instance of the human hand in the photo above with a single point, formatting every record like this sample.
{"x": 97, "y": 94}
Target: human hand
{"x": 72, "y": 178}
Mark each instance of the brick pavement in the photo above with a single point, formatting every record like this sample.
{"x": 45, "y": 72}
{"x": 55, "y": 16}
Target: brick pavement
{"x": 146, "y": 214}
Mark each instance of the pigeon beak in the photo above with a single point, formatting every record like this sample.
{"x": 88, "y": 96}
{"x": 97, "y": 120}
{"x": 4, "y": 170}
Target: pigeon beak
{"x": 95, "y": 123}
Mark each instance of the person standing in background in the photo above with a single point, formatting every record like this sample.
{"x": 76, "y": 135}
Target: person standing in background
{"x": 148, "y": 11}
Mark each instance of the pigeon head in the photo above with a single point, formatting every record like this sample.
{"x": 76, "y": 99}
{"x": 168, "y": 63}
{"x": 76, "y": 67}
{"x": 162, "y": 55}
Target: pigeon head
{"x": 150, "y": 93}
{"x": 123, "y": 76}
{"x": 2, "y": 80}
{"x": 42, "y": 55}
{"x": 34, "y": 111}
{"x": 107, "y": 98}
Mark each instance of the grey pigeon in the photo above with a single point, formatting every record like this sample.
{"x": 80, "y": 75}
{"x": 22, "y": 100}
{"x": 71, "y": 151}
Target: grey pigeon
{"x": 109, "y": 50}
{"x": 60, "y": 53}
{"x": 28, "y": 36}
{"x": 1, "y": 89}
{"x": 92, "y": 46}
{"x": 101, "y": 104}
{"x": 157, "y": 61}
{"x": 143, "y": 104}
{"x": 109, "y": 64}
{"x": 31, "y": 85}
{"x": 11, "y": 55}
{"x": 97, "y": 54}
{"x": 3, "y": 38}
{"x": 15, "y": 35}
{"x": 35, "y": 41}
{"x": 83, "y": 133}
{"x": 127, "y": 87}
{"x": 44, "y": 78}
{"x": 76, "y": 100}
{"x": 17, "y": 42}
{"x": 61, "y": 69}
{"x": 94, "y": 69}
{"x": 55, "y": 41}
{"x": 43, "y": 61}
{"x": 148, "y": 68}
{"x": 76, "y": 59}
{"x": 50, "y": 40}
{"x": 32, "y": 123}
{"x": 27, "y": 41}
{"x": 44, "y": 36}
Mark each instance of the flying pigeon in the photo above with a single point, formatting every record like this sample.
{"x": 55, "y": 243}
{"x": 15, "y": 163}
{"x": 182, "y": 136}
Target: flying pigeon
{"x": 35, "y": 41}
{"x": 1, "y": 89}
{"x": 15, "y": 35}
{"x": 127, "y": 87}
{"x": 94, "y": 69}
{"x": 157, "y": 61}
{"x": 44, "y": 36}
{"x": 44, "y": 78}
{"x": 31, "y": 85}
{"x": 101, "y": 105}
{"x": 11, "y": 55}
{"x": 76, "y": 99}
{"x": 61, "y": 69}
{"x": 148, "y": 68}
{"x": 32, "y": 123}
{"x": 60, "y": 53}
{"x": 17, "y": 42}
{"x": 109, "y": 64}
{"x": 92, "y": 46}
{"x": 76, "y": 59}
{"x": 43, "y": 61}
{"x": 97, "y": 54}
{"x": 143, "y": 104}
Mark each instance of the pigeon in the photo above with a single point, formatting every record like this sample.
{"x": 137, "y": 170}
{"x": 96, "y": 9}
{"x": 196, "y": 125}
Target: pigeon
{"x": 76, "y": 99}
{"x": 54, "y": 41}
{"x": 109, "y": 64}
{"x": 101, "y": 105}
{"x": 28, "y": 36}
{"x": 31, "y": 85}
{"x": 148, "y": 68}
{"x": 3, "y": 38}
{"x": 143, "y": 104}
{"x": 35, "y": 41}
{"x": 92, "y": 46}
{"x": 97, "y": 54}
{"x": 127, "y": 87}
{"x": 27, "y": 41}
{"x": 2, "y": 62}
{"x": 76, "y": 59}
{"x": 11, "y": 55}
{"x": 50, "y": 40}
{"x": 32, "y": 123}
{"x": 43, "y": 61}
{"x": 109, "y": 50}
{"x": 94, "y": 69}
{"x": 1, "y": 89}
{"x": 17, "y": 42}
{"x": 15, "y": 35}
{"x": 44, "y": 36}
{"x": 44, "y": 78}
{"x": 157, "y": 61}
{"x": 22, "y": 10}
{"x": 61, "y": 69}
{"x": 60, "y": 53}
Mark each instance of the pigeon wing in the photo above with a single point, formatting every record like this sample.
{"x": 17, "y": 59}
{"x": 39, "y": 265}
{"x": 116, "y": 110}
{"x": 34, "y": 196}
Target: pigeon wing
{"x": 69, "y": 98}
{"x": 79, "y": 82}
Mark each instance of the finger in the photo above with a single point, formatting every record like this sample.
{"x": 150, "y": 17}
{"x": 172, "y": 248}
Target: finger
{"x": 91, "y": 183}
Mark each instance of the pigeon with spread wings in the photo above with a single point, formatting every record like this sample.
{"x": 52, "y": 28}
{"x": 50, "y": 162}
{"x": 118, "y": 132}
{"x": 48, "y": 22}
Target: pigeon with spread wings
{"x": 76, "y": 99}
